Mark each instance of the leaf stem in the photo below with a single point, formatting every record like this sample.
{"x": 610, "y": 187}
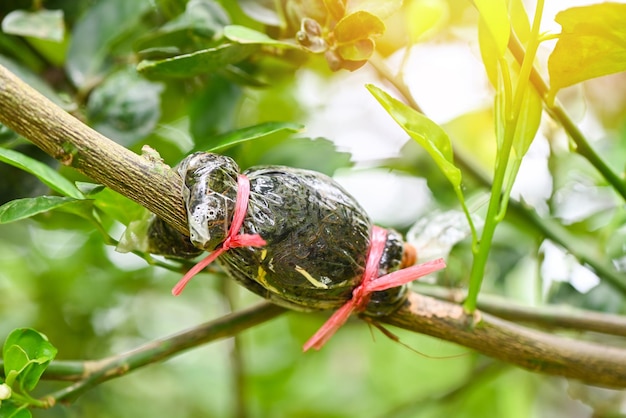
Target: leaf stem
{"x": 498, "y": 202}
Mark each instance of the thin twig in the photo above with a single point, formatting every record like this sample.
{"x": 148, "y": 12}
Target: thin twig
{"x": 90, "y": 373}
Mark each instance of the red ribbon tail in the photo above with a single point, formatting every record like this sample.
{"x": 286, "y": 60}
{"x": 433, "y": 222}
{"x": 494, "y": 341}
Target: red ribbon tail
{"x": 176, "y": 290}
{"x": 406, "y": 275}
{"x": 329, "y": 328}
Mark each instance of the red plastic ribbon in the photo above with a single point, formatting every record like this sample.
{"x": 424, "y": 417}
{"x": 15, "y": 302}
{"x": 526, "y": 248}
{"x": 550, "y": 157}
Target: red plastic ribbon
{"x": 233, "y": 238}
{"x": 370, "y": 283}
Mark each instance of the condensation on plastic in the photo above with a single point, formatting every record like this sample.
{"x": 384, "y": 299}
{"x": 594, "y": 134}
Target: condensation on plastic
{"x": 434, "y": 235}
{"x": 317, "y": 235}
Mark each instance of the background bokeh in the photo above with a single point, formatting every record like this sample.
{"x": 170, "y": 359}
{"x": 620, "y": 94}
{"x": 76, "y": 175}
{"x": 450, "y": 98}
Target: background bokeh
{"x": 57, "y": 274}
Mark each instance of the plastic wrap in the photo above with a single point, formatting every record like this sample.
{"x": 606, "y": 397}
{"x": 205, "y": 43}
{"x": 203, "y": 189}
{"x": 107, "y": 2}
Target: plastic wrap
{"x": 317, "y": 235}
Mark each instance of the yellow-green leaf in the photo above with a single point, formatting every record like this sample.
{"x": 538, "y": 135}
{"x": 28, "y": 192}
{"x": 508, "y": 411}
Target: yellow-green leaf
{"x": 424, "y": 131}
{"x": 425, "y": 17}
{"x": 519, "y": 20}
{"x": 495, "y": 16}
{"x": 592, "y": 44}
{"x": 527, "y": 122}
{"x": 488, "y": 52}
{"x": 527, "y": 126}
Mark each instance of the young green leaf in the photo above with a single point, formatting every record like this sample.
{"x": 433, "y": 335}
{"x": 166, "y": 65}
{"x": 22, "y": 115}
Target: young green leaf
{"x": 527, "y": 126}
{"x": 425, "y": 17}
{"x": 27, "y": 353}
{"x": 423, "y": 130}
{"x": 495, "y": 16}
{"x": 488, "y": 52}
{"x": 250, "y": 133}
{"x": 592, "y": 43}
{"x": 200, "y": 62}
{"x": 527, "y": 122}
{"x": 19, "y": 209}
{"x": 44, "y": 173}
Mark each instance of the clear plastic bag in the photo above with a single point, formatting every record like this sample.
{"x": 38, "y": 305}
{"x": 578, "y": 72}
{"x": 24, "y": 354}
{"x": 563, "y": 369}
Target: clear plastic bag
{"x": 317, "y": 235}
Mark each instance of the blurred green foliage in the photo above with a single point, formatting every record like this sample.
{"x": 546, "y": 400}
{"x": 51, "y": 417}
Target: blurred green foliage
{"x": 183, "y": 75}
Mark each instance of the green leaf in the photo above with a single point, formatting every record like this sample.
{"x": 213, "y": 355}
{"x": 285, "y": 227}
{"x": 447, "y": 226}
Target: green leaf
{"x": 426, "y": 132}
{"x": 117, "y": 206}
{"x": 213, "y": 110}
{"x": 19, "y": 209}
{"x": 125, "y": 107}
{"x": 357, "y": 26}
{"x": 43, "y": 24}
{"x": 250, "y": 133}
{"x": 8, "y": 409}
{"x": 44, "y": 173}
{"x": 245, "y": 35}
{"x": 495, "y": 16}
{"x": 95, "y": 34}
{"x": 592, "y": 44}
{"x": 27, "y": 353}
{"x": 201, "y": 23}
{"x": 200, "y": 62}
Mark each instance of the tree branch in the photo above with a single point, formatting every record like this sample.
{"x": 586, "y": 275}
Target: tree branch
{"x": 150, "y": 183}
{"x": 537, "y": 351}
